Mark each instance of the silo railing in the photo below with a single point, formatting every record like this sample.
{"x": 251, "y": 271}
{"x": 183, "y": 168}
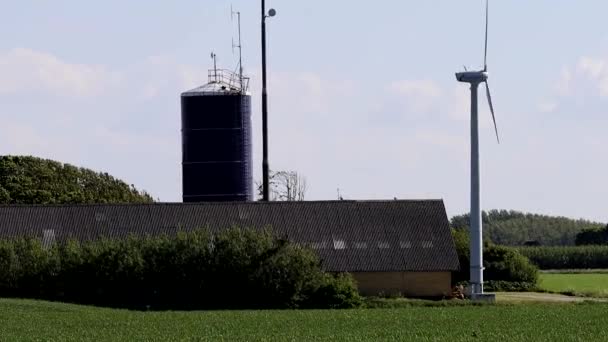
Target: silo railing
{"x": 232, "y": 80}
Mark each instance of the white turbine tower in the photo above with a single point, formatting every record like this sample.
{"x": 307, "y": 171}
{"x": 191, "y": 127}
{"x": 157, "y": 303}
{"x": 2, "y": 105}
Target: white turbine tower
{"x": 475, "y": 78}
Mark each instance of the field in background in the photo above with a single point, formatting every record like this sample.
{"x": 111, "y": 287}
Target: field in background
{"x": 34, "y": 320}
{"x": 583, "y": 283}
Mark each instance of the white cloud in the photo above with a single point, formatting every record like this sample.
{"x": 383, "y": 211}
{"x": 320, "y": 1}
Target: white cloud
{"x": 579, "y": 83}
{"x": 589, "y": 73}
{"x": 25, "y": 70}
{"x": 459, "y": 105}
{"x": 595, "y": 70}
{"x": 547, "y": 106}
{"x": 424, "y": 88}
{"x": 562, "y": 87}
{"x": 592, "y": 67}
{"x": 418, "y": 96}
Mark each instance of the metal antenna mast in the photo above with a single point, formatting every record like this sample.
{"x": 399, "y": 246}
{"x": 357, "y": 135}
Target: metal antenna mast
{"x": 240, "y": 46}
{"x": 214, "y": 57}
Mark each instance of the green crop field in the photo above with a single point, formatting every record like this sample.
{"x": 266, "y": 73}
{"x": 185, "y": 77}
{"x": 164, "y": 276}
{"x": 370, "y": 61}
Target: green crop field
{"x": 23, "y": 320}
{"x": 589, "y": 284}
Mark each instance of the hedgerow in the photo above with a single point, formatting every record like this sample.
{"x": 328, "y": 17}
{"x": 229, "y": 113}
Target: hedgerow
{"x": 571, "y": 257}
{"x": 232, "y": 269}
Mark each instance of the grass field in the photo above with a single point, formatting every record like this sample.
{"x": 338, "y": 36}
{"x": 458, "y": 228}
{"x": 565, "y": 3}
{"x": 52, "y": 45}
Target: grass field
{"x": 584, "y": 283}
{"x": 25, "y": 320}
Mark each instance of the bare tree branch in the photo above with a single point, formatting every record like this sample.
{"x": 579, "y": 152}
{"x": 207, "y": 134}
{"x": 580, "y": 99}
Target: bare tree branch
{"x": 285, "y": 186}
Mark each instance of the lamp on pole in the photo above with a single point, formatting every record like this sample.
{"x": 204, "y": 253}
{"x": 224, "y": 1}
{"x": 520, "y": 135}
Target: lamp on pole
{"x": 265, "y": 165}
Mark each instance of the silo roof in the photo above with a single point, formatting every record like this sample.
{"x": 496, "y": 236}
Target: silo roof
{"x": 212, "y": 88}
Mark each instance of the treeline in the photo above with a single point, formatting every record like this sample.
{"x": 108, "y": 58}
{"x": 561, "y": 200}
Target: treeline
{"x": 31, "y": 180}
{"x": 592, "y": 237}
{"x": 233, "y": 269}
{"x": 513, "y": 228}
{"x": 567, "y": 257}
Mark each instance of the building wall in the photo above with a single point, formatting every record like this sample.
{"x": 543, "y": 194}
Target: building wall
{"x": 409, "y": 284}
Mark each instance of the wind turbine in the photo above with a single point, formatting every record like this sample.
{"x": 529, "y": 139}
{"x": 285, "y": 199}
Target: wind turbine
{"x": 475, "y": 78}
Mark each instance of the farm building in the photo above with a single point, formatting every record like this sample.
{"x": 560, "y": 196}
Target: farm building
{"x": 389, "y": 246}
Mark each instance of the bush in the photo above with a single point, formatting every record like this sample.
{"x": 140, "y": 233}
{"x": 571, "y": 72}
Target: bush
{"x": 461, "y": 240}
{"x": 507, "y": 264}
{"x": 573, "y": 257}
{"x": 501, "y": 263}
{"x": 233, "y": 269}
{"x": 510, "y": 286}
{"x": 335, "y": 292}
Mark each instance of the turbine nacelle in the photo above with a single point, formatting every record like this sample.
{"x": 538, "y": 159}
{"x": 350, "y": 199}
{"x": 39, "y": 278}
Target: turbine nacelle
{"x": 473, "y": 77}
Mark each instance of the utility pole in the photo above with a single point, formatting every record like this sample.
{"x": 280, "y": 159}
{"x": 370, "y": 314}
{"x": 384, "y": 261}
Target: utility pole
{"x": 265, "y": 165}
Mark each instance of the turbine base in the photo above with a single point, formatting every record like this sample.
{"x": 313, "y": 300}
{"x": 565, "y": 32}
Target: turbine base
{"x": 483, "y": 297}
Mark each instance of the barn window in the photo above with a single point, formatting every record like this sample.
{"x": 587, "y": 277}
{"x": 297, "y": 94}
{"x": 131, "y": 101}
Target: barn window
{"x": 100, "y": 217}
{"x": 48, "y": 238}
{"x": 243, "y": 214}
{"x": 339, "y": 244}
{"x": 318, "y": 245}
{"x": 384, "y": 245}
{"x": 405, "y": 244}
{"x": 427, "y": 244}
{"x": 360, "y": 245}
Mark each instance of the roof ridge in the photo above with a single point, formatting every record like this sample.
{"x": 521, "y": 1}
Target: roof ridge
{"x": 215, "y": 203}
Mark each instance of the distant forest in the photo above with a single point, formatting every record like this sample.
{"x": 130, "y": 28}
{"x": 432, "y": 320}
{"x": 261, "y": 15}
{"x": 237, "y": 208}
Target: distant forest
{"x": 513, "y": 228}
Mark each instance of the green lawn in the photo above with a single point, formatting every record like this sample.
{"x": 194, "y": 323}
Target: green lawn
{"x": 26, "y": 320}
{"x": 591, "y": 284}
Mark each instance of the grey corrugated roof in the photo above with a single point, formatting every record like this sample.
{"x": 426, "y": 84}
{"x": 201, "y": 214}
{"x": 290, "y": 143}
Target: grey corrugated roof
{"x": 349, "y": 236}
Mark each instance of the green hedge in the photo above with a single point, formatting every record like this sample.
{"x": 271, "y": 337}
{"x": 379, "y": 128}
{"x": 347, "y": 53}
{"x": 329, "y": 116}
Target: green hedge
{"x": 574, "y": 257}
{"x": 510, "y": 286}
{"x": 502, "y": 264}
{"x": 234, "y": 269}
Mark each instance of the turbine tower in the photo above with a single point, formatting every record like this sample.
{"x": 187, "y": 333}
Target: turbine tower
{"x": 474, "y": 78}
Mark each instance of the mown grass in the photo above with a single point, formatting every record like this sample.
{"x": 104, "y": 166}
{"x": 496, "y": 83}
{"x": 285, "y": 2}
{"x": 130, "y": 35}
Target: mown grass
{"x": 26, "y": 320}
{"x": 579, "y": 284}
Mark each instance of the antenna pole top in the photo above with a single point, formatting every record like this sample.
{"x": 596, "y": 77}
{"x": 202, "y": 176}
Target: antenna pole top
{"x": 214, "y": 57}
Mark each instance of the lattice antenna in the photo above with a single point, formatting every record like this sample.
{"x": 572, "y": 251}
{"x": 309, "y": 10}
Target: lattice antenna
{"x": 239, "y": 45}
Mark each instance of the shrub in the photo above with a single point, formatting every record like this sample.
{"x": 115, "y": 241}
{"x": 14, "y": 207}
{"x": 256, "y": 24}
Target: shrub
{"x": 335, "y": 292}
{"x": 572, "y": 257}
{"x": 232, "y": 269}
{"x": 501, "y": 263}
{"x": 507, "y": 264}
{"x": 26, "y": 267}
{"x": 510, "y": 286}
{"x": 461, "y": 240}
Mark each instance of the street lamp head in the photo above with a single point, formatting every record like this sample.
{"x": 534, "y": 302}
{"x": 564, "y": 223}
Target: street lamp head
{"x": 272, "y": 12}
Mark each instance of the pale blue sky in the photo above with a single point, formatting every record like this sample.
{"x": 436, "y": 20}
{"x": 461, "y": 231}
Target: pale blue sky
{"x": 362, "y": 94}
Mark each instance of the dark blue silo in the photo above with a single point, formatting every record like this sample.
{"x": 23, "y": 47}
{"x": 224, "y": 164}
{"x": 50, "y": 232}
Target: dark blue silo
{"x": 216, "y": 141}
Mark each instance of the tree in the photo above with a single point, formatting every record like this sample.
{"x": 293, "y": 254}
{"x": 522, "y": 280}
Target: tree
{"x": 31, "y": 180}
{"x": 515, "y": 228}
{"x": 285, "y": 186}
{"x": 592, "y": 237}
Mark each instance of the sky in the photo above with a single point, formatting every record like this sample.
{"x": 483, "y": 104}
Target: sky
{"x": 362, "y": 95}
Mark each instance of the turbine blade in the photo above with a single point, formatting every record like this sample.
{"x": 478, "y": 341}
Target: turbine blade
{"x": 485, "y": 55}
{"x": 492, "y": 110}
